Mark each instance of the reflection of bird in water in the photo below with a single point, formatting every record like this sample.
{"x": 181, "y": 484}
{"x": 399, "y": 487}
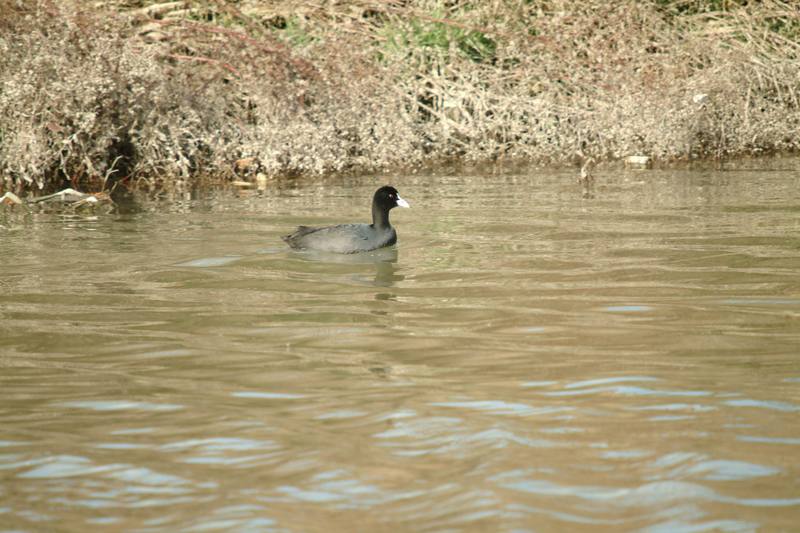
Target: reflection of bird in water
{"x": 586, "y": 175}
{"x": 384, "y": 260}
{"x": 586, "y": 178}
{"x": 385, "y": 273}
{"x": 381, "y": 255}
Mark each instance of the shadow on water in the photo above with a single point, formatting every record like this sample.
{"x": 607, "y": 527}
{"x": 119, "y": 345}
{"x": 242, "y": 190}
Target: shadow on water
{"x": 383, "y": 259}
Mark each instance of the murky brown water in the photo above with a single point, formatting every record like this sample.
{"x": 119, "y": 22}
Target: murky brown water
{"x": 525, "y": 359}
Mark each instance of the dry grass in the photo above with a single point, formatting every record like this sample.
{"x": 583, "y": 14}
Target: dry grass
{"x": 160, "y": 94}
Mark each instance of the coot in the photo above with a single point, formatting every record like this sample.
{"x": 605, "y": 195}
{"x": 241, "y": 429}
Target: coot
{"x": 352, "y": 238}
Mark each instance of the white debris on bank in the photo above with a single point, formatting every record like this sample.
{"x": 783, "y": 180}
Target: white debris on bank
{"x": 638, "y": 162}
{"x": 69, "y": 197}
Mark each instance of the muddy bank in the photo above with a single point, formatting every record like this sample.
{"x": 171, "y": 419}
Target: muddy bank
{"x": 157, "y": 94}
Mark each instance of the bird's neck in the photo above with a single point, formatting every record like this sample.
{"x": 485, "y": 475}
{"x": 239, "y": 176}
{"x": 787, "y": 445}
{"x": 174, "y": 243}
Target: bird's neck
{"x": 380, "y": 218}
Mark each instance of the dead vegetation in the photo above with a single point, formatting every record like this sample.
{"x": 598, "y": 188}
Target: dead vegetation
{"x": 160, "y": 93}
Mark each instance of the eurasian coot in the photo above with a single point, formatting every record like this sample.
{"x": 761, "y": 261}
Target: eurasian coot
{"x": 352, "y": 238}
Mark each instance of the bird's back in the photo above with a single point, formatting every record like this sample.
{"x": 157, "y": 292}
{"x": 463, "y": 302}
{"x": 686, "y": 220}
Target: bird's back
{"x": 344, "y": 238}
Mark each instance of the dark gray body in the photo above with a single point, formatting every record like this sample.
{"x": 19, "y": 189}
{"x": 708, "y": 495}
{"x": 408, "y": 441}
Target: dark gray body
{"x": 342, "y": 239}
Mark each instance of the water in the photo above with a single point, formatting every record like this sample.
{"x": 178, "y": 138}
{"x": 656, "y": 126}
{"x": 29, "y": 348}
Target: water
{"x": 527, "y": 358}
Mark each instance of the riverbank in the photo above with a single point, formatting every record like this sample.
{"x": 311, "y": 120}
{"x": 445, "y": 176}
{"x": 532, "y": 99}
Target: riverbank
{"x": 157, "y": 94}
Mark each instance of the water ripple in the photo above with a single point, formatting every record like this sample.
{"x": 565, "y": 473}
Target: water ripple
{"x": 769, "y": 440}
{"x": 693, "y": 407}
{"x": 268, "y": 395}
{"x": 604, "y": 381}
{"x": 121, "y": 405}
{"x": 628, "y": 391}
{"x": 502, "y": 408}
{"x": 764, "y": 404}
{"x": 67, "y": 466}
